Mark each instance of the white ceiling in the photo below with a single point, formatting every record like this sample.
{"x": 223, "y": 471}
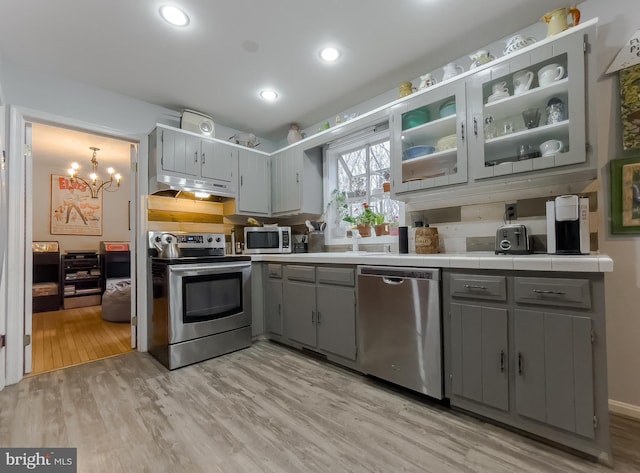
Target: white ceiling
{"x": 234, "y": 48}
{"x": 54, "y": 146}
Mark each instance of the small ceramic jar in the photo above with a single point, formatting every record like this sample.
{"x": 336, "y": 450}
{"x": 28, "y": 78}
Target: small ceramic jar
{"x": 294, "y": 134}
{"x": 480, "y": 57}
{"x": 406, "y": 88}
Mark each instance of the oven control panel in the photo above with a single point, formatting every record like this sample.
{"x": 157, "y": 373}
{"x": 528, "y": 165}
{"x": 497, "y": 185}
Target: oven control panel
{"x": 188, "y": 240}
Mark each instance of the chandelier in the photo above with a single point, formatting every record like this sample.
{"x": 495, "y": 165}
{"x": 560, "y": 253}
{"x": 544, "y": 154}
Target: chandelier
{"x": 94, "y": 184}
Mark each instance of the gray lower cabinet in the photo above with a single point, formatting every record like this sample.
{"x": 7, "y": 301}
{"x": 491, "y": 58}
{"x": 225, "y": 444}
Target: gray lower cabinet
{"x": 528, "y": 350}
{"x": 273, "y": 309}
{"x": 336, "y": 320}
{"x": 300, "y": 312}
{"x": 479, "y": 354}
{"x": 318, "y": 310}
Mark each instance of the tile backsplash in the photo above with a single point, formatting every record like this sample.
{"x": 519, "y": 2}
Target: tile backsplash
{"x": 473, "y": 227}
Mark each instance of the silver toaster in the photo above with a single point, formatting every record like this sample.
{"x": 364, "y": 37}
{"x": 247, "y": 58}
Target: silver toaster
{"x": 512, "y": 239}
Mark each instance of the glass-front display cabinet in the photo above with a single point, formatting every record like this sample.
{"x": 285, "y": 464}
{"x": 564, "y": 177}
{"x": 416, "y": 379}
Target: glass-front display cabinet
{"x": 528, "y": 114}
{"x": 429, "y": 139}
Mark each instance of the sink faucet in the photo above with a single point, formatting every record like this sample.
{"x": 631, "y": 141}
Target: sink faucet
{"x": 355, "y": 235}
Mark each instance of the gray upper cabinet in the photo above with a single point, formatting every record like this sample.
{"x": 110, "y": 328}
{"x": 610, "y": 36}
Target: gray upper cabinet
{"x": 185, "y": 160}
{"x": 254, "y": 185}
{"x": 178, "y": 152}
{"x": 497, "y": 122}
{"x": 296, "y": 181}
{"x": 464, "y": 134}
{"x": 429, "y": 140}
{"x": 219, "y": 160}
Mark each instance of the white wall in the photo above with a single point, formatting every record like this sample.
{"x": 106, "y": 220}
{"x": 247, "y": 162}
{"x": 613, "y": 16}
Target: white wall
{"x": 618, "y": 20}
{"x": 46, "y": 93}
{"x": 114, "y": 211}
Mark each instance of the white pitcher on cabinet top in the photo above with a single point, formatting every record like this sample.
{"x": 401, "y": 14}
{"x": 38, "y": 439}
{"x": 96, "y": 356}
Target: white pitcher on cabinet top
{"x": 451, "y": 70}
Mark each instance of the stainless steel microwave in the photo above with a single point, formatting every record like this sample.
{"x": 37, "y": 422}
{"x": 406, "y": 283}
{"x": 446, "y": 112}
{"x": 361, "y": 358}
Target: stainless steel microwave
{"x": 258, "y": 240}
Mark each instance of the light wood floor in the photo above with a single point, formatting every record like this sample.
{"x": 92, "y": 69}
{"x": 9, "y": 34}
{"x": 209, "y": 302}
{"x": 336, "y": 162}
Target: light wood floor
{"x": 266, "y": 409}
{"x": 68, "y": 337}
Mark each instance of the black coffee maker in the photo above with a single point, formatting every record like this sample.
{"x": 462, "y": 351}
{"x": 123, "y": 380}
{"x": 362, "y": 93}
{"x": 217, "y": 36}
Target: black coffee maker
{"x": 568, "y": 225}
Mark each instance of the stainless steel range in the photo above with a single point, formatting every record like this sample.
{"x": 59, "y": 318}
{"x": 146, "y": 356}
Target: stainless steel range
{"x": 201, "y": 299}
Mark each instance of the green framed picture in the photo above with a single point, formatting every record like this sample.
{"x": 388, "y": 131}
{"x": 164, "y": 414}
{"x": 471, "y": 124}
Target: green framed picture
{"x": 625, "y": 195}
{"x": 630, "y": 106}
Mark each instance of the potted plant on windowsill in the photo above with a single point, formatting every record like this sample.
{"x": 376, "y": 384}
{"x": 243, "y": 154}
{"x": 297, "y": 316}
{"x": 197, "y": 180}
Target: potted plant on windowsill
{"x": 365, "y": 220}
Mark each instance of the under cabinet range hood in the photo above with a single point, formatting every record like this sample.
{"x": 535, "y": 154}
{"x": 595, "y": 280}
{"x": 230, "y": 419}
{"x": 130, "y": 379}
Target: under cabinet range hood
{"x": 162, "y": 182}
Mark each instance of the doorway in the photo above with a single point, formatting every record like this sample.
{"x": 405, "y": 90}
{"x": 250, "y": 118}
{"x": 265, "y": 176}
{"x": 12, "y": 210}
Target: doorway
{"x": 82, "y": 298}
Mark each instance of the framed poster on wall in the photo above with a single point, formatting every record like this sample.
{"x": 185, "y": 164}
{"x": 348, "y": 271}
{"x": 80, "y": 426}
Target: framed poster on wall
{"x": 73, "y": 210}
{"x": 625, "y": 195}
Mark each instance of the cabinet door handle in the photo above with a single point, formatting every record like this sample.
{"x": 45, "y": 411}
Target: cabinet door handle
{"x": 297, "y": 177}
{"x": 555, "y": 293}
{"x": 279, "y": 309}
{"x": 519, "y": 364}
{"x": 462, "y": 131}
{"x": 203, "y": 157}
{"x": 318, "y": 318}
{"x": 501, "y": 361}
{"x": 313, "y": 316}
{"x": 475, "y": 126}
{"x": 195, "y": 154}
{"x": 241, "y": 180}
{"x": 475, "y": 286}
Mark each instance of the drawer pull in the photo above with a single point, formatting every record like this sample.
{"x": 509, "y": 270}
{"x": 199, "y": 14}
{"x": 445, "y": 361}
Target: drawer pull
{"x": 555, "y": 293}
{"x": 475, "y": 286}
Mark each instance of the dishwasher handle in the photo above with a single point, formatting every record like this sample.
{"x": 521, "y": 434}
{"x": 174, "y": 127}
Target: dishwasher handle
{"x": 392, "y": 281}
{"x": 394, "y": 273}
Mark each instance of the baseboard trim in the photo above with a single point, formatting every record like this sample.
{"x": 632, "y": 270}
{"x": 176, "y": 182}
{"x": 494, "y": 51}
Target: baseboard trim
{"x": 624, "y": 409}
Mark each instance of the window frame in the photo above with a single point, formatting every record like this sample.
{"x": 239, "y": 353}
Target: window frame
{"x": 333, "y": 153}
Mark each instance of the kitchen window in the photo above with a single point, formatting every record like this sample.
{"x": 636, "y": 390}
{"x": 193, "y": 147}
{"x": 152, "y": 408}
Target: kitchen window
{"x": 357, "y": 168}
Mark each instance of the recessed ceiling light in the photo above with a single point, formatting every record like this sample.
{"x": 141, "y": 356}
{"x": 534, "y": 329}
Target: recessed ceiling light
{"x": 174, "y": 15}
{"x": 329, "y": 54}
{"x": 268, "y": 95}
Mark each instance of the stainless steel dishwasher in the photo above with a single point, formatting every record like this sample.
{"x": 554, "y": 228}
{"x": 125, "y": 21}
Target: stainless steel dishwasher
{"x": 399, "y": 320}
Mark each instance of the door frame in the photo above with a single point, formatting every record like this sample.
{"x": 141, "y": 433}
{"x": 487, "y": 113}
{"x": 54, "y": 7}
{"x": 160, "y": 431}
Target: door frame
{"x": 4, "y": 217}
{"x": 17, "y": 167}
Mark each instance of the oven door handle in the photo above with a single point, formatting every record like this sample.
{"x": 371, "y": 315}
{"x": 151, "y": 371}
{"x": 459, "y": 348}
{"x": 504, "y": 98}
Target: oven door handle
{"x": 206, "y": 268}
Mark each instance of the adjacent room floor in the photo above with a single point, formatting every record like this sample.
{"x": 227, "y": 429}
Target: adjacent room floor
{"x": 266, "y": 409}
{"x": 69, "y": 337}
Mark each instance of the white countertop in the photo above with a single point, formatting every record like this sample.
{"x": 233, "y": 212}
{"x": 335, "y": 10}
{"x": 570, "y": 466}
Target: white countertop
{"x": 475, "y": 260}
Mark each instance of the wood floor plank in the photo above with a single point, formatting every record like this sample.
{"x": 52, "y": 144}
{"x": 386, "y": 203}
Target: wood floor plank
{"x": 268, "y": 409}
{"x": 68, "y": 337}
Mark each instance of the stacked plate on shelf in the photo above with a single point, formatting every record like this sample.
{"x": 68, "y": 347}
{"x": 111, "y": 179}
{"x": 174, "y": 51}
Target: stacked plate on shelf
{"x": 417, "y": 152}
{"x": 447, "y": 142}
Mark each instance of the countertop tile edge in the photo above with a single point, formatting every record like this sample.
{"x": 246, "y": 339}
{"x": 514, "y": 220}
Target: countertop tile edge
{"x": 586, "y": 263}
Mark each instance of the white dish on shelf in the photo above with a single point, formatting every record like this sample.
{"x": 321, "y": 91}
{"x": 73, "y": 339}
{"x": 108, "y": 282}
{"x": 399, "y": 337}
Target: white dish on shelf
{"x": 497, "y": 96}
